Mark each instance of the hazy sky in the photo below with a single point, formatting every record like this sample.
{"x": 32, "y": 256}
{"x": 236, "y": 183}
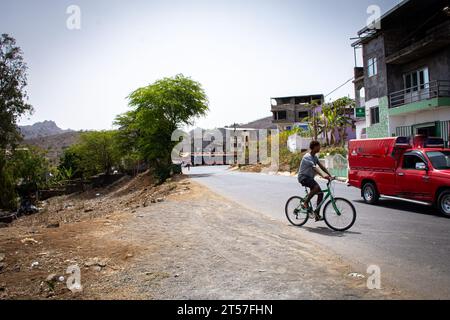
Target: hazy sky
{"x": 243, "y": 52}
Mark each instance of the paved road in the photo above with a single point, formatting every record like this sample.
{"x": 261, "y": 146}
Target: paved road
{"x": 407, "y": 241}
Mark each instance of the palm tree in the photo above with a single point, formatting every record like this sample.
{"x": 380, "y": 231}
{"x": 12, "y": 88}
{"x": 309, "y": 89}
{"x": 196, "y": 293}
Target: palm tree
{"x": 341, "y": 118}
{"x": 314, "y": 120}
{"x": 332, "y": 121}
{"x": 329, "y": 116}
{"x": 336, "y": 120}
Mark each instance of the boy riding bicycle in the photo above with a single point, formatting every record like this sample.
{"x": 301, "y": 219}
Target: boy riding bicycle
{"x": 309, "y": 168}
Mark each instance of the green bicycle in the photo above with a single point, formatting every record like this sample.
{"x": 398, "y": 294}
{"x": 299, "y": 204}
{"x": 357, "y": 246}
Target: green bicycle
{"x": 339, "y": 214}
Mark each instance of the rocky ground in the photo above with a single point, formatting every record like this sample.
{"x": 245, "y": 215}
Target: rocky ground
{"x": 179, "y": 240}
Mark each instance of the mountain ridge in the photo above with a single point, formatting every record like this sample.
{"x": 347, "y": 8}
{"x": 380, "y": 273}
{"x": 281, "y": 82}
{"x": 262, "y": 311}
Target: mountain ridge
{"x": 41, "y": 129}
{"x": 263, "y": 123}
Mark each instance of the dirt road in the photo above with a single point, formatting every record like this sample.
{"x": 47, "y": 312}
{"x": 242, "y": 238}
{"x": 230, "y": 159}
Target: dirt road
{"x": 193, "y": 245}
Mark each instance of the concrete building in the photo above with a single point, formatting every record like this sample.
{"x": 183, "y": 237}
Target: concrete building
{"x": 403, "y": 87}
{"x": 222, "y": 145}
{"x": 290, "y": 112}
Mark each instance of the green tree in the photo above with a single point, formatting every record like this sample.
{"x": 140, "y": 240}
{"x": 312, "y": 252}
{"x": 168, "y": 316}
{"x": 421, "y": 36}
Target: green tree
{"x": 330, "y": 117}
{"x": 336, "y": 118}
{"x": 314, "y": 120}
{"x": 333, "y": 120}
{"x": 68, "y": 167}
{"x": 7, "y": 186}
{"x": 24, "y": 166}
{"x": 13, "y": 104}
{"x": 127, "y": 141}
{"x": 95, "y": 153}
{"x": 345, "y": 106}
{"x": 326, "y": 117}
{"x": 158, "y": 110}
{"x": 13, "y": 97}
{"x": 30, "y": 165}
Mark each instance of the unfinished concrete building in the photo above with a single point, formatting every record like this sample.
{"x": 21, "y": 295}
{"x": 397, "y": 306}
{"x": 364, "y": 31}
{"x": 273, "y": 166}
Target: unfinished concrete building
{"x": 292, "y": 112}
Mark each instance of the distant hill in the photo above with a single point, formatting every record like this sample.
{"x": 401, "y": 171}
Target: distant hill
{"x": 264, "y": 123}
{"x": 41, "y": 129}
{"x": 54, "y": 145}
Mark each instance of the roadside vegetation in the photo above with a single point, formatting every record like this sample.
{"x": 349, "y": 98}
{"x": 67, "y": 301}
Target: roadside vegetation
{"x": 332, "y": 122}
{"x": 13, "y": 104}
{"x": 143, "y": 138}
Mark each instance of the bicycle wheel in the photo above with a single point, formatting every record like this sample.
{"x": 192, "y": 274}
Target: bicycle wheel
{"x": 341, "y": 222}
{"x": 294, "y": 213}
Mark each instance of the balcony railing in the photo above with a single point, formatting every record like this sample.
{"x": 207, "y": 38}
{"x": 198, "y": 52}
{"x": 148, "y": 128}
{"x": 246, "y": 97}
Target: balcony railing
{"x": 433, "y": 89}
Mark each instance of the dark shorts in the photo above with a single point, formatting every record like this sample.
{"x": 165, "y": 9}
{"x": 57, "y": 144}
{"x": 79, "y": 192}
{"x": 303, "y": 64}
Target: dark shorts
{"x": 308, "y": 182}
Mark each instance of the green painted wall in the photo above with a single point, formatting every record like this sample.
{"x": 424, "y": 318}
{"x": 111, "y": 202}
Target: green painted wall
{"x": 381, "y": 130}
{"x": 420, "y": 105}
{"x": 341, "y": 173}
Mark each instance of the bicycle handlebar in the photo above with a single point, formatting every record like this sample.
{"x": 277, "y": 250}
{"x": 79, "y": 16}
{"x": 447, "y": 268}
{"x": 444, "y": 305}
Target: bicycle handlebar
{"x": 331, "y": 180}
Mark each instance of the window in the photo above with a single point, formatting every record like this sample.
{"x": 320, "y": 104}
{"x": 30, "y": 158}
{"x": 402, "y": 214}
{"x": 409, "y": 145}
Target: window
{"x": 364, "y": 133}
{"x": 410, "y": 162}
{"x": 374, "y": 115}
{"x": 282, "y": 115}
{"x": 372, "y": 68}
{"x": 416, "y": 80}
{"x": 362, "y": 94}
{"x": 440, "y": 159}
{"x": 303, "y": 114}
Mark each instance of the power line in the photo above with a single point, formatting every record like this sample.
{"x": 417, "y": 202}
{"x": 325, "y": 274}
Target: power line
{"x": 340, "y": 86}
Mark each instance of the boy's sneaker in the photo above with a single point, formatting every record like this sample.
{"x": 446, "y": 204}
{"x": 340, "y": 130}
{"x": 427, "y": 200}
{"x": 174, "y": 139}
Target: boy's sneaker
{"x": 318, "y": 217}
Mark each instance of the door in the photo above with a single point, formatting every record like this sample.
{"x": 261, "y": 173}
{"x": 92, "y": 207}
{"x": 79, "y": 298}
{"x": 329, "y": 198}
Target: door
{"x": 424, "y": 84}
{"x": 417, "y": 85}
{"x": 413, "y": 179}
{"x": 427, "y": 131}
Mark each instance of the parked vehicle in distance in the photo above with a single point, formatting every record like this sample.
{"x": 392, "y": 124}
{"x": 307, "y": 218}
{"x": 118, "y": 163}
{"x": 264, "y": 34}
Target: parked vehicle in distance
{"x": 414, "y": 170}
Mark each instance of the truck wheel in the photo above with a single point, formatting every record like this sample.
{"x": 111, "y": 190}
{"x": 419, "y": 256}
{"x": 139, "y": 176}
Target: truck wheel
{"x": 370, "y": 193}
{"x": 444, "y": 203}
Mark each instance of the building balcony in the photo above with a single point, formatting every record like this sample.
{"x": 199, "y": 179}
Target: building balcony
{"x": 283, "y": 107}
{"x": 431, "y": 95}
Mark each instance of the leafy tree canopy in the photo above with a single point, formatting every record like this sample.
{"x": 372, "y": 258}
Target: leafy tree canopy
{"x": 158, "y": 110}
{"x": 13, "y": 97}
{"x": 13, "y": 80}
{"x": 95, "y": 153}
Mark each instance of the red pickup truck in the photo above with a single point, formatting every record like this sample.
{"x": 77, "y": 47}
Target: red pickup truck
{"x": 415, "y": 170}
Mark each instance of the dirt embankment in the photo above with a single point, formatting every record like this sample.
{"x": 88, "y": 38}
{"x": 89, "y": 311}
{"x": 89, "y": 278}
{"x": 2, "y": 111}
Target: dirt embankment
{"x": 35, "y": 251}
{"x": 175, "y": 241}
